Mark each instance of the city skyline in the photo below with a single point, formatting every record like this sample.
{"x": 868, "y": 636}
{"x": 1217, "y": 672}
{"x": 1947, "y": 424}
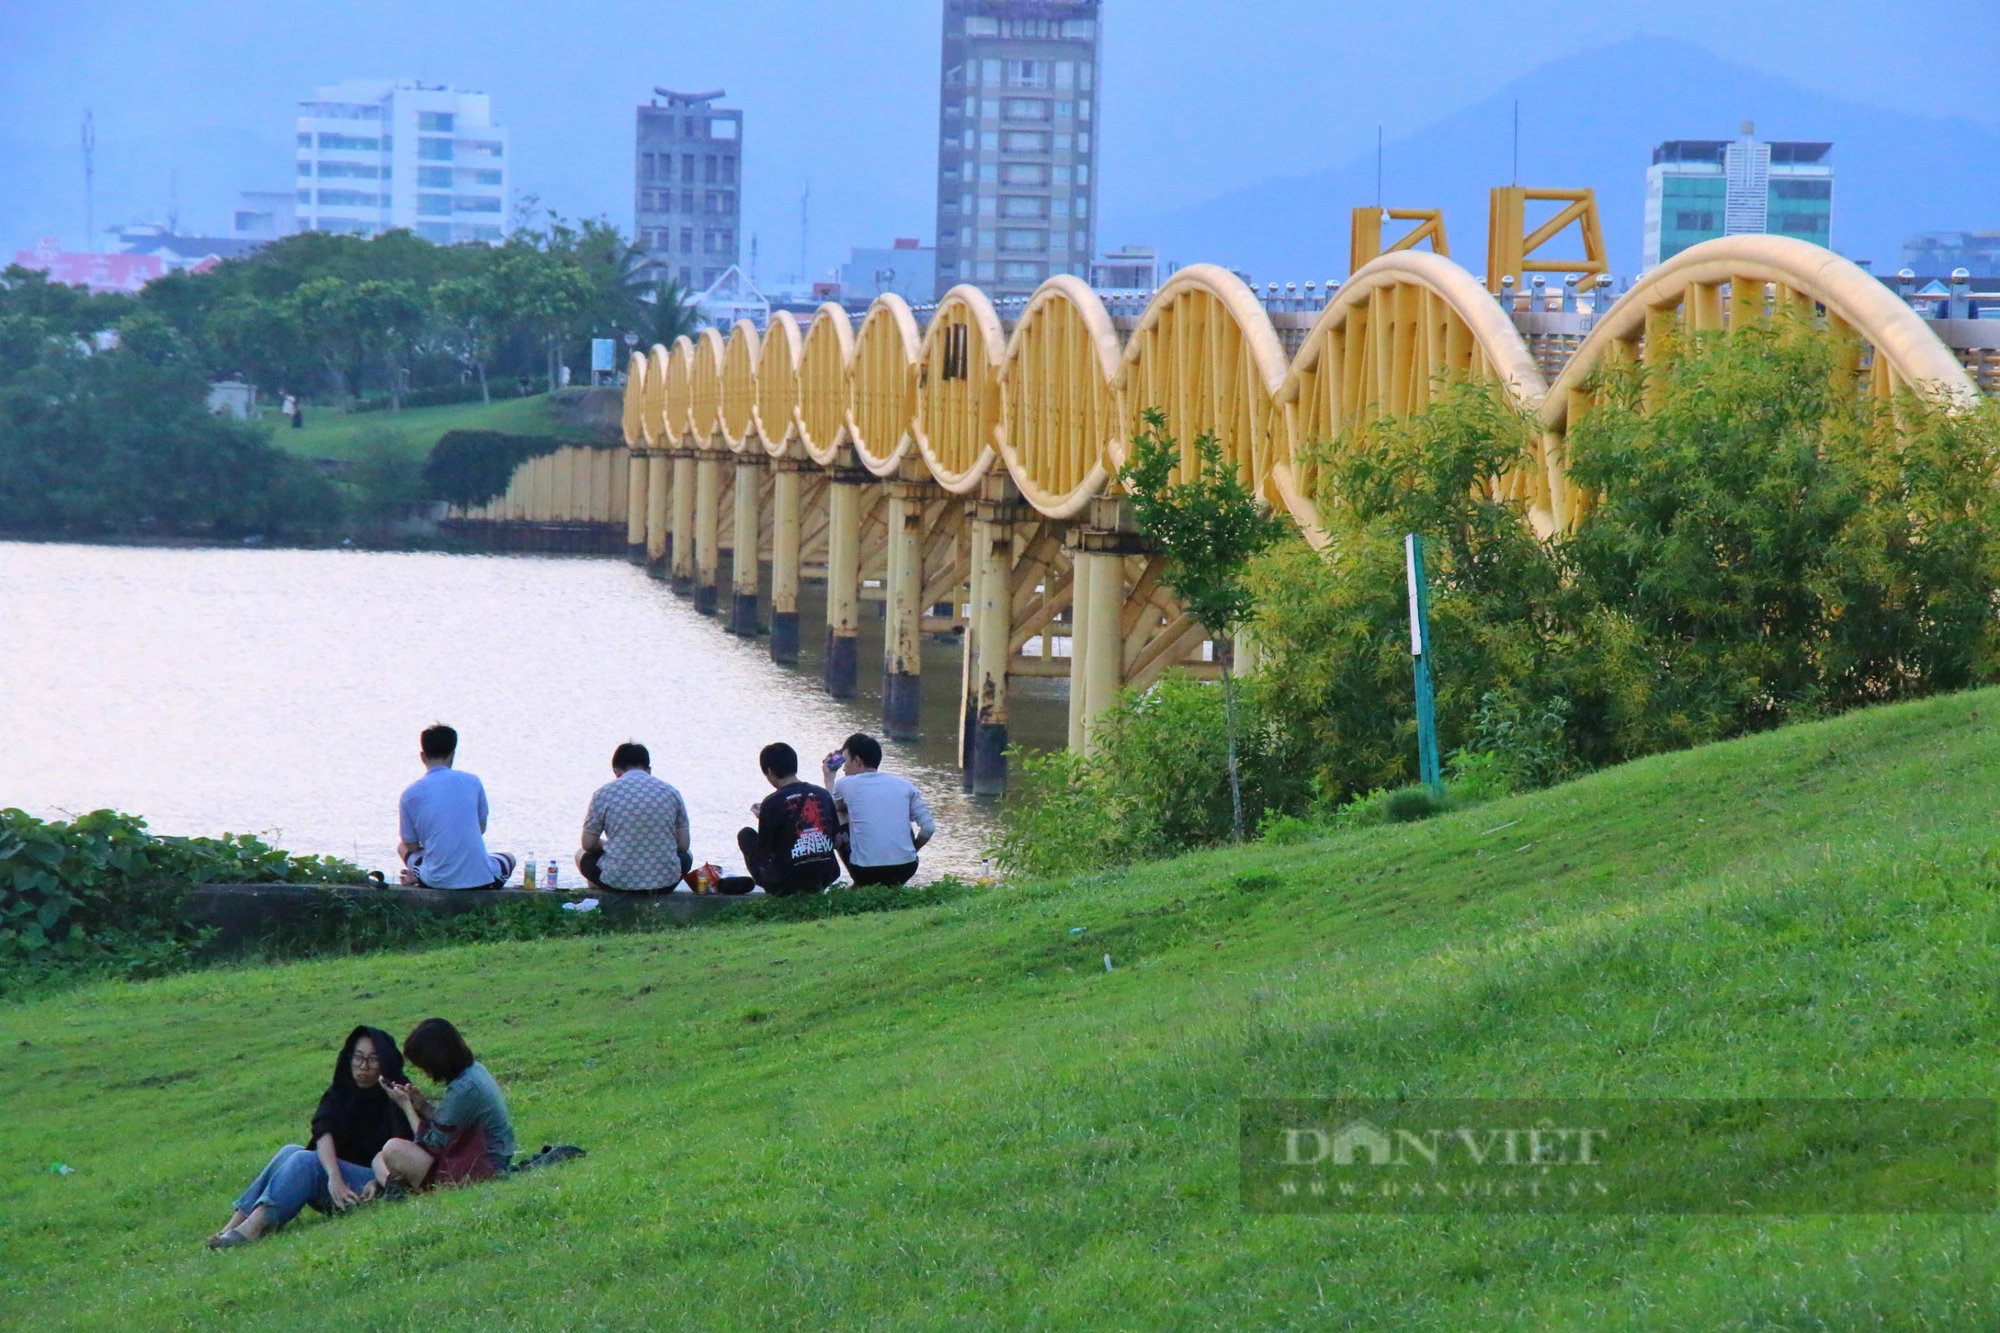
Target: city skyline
{"x": 850, "y": 106}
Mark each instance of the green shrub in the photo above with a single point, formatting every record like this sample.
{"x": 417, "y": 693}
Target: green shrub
{"x": 101, "y": 888}
{"x": 470, "y": 467}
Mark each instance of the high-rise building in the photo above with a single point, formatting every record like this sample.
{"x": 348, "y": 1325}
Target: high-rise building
{"x": 1017, "y": 130}
{"x": 1937, "y": 253}
{"x": 1698, "y": 189}
{"x": 376, "y": 154}
{"x": 688, "y": 187}
{"x": 907, "y": 267}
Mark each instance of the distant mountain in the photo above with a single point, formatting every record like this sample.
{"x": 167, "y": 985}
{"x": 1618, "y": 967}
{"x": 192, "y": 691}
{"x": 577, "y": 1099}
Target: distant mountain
{"x": 43, "y": 190}
{"x": 1592, "y": 120}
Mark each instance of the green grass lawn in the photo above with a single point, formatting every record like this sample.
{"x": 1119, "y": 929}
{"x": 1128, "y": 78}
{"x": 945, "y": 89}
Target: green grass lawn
{"x": 328, "y": 434}
{"x": 955, "y": 1117}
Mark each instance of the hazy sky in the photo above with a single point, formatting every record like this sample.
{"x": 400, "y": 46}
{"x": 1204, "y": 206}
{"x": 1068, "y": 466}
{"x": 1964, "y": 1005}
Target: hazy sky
{"x": 1198, "y": 96}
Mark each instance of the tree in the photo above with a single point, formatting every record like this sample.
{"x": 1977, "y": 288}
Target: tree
{"x": 473, "y": 313}
{"x": 1209, "y": 526}
{"x": 674, "y": 314}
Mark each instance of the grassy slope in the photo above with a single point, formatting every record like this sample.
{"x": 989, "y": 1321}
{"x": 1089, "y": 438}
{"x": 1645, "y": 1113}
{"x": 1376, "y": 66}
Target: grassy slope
{"x": 328, "y": 434}
{"x": 957, "y": 1117}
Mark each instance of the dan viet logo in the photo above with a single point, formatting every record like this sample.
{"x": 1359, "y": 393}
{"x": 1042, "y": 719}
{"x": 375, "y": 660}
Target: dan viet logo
{"x": 1722, "y": 1156}
{"x": 1360, "y": 1143}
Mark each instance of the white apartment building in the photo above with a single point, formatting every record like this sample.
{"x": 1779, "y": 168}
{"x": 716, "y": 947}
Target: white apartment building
{"x": 375, "y": 155}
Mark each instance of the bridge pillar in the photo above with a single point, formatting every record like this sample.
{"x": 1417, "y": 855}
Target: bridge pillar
{"x": 786, "y": 484}
{"x": 743, "y": 565}
{"x": 843, "y": 581}
{"x": 659, "y": 484}
{"x": 989, "y": 636}
{"x": 902, "y": 655}
{"x": 1097, "y": 646}
{"x": 683, "y": 535}
{"x": 635, "y": 507}
{"x": 707, "y": 532}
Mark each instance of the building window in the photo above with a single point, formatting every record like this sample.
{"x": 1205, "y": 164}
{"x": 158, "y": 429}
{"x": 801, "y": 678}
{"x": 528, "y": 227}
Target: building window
{"x": 1793, "y": 189}
{"x": 729, "y": 171}
{"x": 687, "y": 240}
{"x": 1083, "y": 76}
{"x": 989, "y": 140}
{"x": 971, "y": 108}
{"x": 351, "y": 170}
{"x": 433, "y": 205}
{"x": 351, "y": 143}
{"x": 1062, "y": 175}
{"x": 965, "y": 171}
{"x": 989, "y": 73}
{"x": 722, "y": 127}
{"x": 1083, "y": 142}
{"x": 1062, "y": 143}
{"x": 1065, "y": 74}
{"x": 434, "y": 177}
{"x": 1065, "y": 110}
{"x": 986, "y": 269}
{"x": 1023, "y": 240}
{"x": 479, "y": 177}
{"x": 438, "y": 233}
{"x": 1027, "y": 73}
{"x": 1083, "y": 208}
{"x": 710, "y": 171}
{"x": 349, "y": 199}
{"x": 1060, "y": 207}
{"x": 1801, "y": 224}
{"x": 305, "y": 168}
{"x": 965, "y": 238}
{"x": 985, "y": 240}
{"x": 1685, "y": 221}
{"x": 305, "y": 139}
{"x": 988, "y": 171}
{"x": 1083, "y": 109}
{"x": 480, "y": 148}
{"x": 981, "y": 27}
{"x": 434, "y": 150}
{"x": 305, "y": 196}
{"x": 1021, "y": 272}
{"x": 475, "y": 204}
{"x": 1083, "y": 173}
{"x": 1024, "y": 173}
{"x": 1025, "y": 108}
{"x": 708, "y": 277}
{"x": 1079, "y": 28}
{"x": 1024, "y": 206}
{"x": 434, "y": 122}
{"x": 988, "y": 206}
{"x": 1028, "y": 141}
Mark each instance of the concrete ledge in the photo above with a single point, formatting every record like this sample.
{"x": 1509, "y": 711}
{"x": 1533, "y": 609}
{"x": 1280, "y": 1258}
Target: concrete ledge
{"x": 242, "y": 913}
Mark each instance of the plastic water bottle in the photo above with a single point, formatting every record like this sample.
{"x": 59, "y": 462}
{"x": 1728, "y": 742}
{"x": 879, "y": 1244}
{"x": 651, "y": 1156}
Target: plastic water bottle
{"x": 550, "y": 884}
{"x": 528, "y": 874}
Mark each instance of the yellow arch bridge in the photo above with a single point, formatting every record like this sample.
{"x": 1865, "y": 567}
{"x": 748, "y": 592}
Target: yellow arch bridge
{"x": 960, "y": 464}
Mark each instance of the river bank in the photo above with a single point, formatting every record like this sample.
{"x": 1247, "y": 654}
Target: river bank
{"x": 279, "y": 691}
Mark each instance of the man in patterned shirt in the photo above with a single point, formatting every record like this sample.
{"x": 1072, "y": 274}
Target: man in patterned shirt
{"x": 635, "y": 837}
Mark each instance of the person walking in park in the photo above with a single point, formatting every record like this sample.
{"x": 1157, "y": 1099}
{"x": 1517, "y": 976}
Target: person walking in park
{"x": 443, "y": 818}
{"x": 879, "y": 810}
{"x": 635, "y": 836}
{"x": 791, "y": 849}
{"x": 356, "y": 1117}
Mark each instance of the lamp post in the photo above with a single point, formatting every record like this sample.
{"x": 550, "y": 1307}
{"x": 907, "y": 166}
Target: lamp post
{"x": 1420, "y": 663}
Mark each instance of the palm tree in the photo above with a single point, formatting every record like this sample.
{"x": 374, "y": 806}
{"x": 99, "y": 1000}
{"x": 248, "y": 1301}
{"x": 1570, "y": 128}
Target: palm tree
{"x": 674, "y": 314}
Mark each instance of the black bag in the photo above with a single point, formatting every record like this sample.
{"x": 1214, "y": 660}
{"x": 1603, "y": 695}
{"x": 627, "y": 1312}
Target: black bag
{"x": 550, "y": 1154}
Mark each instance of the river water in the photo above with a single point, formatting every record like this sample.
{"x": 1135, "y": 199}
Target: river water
{"x": 280, "y": 692}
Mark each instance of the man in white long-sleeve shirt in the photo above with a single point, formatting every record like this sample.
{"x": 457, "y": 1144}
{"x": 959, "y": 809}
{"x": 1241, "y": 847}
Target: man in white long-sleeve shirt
{"x": 879, "y": 810}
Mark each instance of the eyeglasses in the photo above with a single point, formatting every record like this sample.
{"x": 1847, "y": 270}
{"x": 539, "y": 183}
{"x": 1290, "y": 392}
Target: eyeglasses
{"x": 360, "y": 1059}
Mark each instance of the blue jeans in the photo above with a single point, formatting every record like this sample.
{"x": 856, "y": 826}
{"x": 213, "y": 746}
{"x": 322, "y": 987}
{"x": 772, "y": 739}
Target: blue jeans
{"x": 294, "y": 1178}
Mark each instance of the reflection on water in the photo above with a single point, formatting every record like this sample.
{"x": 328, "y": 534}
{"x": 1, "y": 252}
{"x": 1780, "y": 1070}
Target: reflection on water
{"x": 282, "y": 692}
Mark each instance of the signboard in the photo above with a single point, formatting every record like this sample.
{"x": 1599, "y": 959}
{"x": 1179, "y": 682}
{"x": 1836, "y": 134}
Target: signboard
{"x": 602, "y": 354}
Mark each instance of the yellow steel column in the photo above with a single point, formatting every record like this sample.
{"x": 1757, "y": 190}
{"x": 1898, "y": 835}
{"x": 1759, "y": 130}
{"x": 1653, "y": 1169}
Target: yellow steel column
{"x": 785, "y": 488}
{"x": 1104, "y": 659}
{"x": 843, "y": 581}
{"x": 968, "y": 643}
{"x": 992, "y": 624}
{"x": 743, "y": 563}
{"x": 659, "y": 474}
{"x": 707, "y": 531}
{"x": 1082, "y": 569}
{"x": 683, "y": 538}
{"x": 902, "y": 654}
{"x": 635, "y": 508}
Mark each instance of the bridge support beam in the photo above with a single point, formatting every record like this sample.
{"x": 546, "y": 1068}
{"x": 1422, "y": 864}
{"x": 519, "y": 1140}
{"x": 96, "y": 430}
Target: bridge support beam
{"x": 638, "y": 476}
{"x": 989, "y": 637}
{"x": 786, "y": 484}
{"x": 659, "y": 485}
{"x": 902, "y": 654}
{"x": 743, "y": 565}
{"x": 1098, "y": 643}
{"x": 843, "y": 582}
{"x": 707, "y": 532}
{"x": 683, "y": 536}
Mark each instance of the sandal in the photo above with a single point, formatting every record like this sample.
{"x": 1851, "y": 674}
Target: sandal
{"x": 228, "y": 1238}
{"x": 368, "y": 1193}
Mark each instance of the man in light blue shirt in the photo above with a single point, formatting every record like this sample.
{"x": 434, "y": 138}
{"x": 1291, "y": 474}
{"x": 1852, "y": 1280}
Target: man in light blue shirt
{"x": 444, "y": 824}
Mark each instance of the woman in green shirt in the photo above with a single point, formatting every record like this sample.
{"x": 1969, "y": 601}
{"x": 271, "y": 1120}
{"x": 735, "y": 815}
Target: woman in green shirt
{"x": 467, "y": 1135}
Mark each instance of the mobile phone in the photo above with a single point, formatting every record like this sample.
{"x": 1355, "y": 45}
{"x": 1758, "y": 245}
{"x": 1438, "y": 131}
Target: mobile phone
{"x": 838, "y": 759}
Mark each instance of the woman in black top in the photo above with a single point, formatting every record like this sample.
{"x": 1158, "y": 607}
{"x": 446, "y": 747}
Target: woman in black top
{"x": 355, "y": 1118}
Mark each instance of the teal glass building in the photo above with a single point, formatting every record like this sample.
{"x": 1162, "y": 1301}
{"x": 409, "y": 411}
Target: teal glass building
{"x": 1698, "y": 189}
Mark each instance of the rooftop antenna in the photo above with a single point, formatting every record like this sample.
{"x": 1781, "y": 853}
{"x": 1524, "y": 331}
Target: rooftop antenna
{"x": 89, "y": 183}
{"x": 1517, "y": 141}
{"x": 753, "y": 258}
{"x": 1378, "y": 166}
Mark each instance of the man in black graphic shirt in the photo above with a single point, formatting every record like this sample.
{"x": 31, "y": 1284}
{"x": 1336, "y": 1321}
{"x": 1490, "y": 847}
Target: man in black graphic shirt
{"x": 791, "y": 849}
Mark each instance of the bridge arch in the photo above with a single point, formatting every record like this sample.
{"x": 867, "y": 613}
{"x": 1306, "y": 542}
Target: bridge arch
{"x": 679, "y": 421}
{"x": 826, "y": 413}
{"x": 883, "y": 382}
{"x": 1206, "y": 355}
{"x": 1401, "y": 323}
{"x": 739, "y": 384}
{"x": 957, "y": 422}
{"x": 1060, "y": 423}
{"x": 778, "y": 383}
{"x": 631, "y": 421}
{"x": 1895, "y": 348}
{"x": 706, "y": 381}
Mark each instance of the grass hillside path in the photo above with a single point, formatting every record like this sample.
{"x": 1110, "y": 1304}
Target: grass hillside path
{"x": 412, "y": 432}
{"x": 955, "y": 1117}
